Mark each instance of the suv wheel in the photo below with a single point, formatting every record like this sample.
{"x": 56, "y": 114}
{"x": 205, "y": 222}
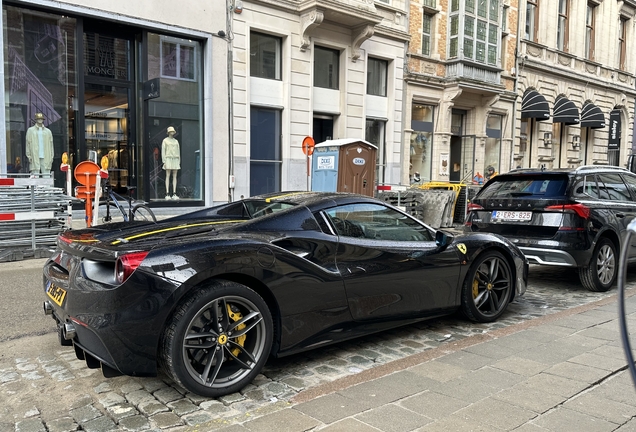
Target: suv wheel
{"x": 600, "y": 274}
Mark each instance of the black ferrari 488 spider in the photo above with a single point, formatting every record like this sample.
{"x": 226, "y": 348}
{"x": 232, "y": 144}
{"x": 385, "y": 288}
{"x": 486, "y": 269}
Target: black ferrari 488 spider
{"x": 207, "y": 296}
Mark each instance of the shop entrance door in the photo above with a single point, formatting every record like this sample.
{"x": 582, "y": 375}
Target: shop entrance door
{"x": 462, "y": 158}
{"x": 108, "y": 131}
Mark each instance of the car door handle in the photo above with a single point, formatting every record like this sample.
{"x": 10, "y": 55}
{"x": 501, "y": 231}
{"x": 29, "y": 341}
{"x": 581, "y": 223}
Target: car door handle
{"x": 620, "y": 215}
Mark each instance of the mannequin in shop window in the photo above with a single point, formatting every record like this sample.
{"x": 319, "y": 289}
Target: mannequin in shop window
{"x": 39, "y": 147}
{"x": 171, "y": 158}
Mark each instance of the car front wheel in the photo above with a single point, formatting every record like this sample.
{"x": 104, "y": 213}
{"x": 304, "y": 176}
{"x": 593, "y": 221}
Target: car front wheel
{"x": 218, "y": 340}
{"x": 488, "y": 287}
{"x": 600, "y": 274}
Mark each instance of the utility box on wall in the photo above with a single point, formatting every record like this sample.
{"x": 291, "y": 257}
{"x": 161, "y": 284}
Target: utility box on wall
{"x": 344, "y": 165}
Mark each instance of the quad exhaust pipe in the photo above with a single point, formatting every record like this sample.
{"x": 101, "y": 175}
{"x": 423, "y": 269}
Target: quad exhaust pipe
{"x": 48, "y": 308}
{"x": 66, "y": 329}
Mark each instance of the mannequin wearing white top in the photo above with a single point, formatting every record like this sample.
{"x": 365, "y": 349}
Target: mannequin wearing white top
{"x": 171, "y": 158}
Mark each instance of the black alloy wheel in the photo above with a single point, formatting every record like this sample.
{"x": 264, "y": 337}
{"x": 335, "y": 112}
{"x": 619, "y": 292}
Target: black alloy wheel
{"x": 488, "y": 287}
{"x": 600, "y": 274}
{"x": 218, "y": 340}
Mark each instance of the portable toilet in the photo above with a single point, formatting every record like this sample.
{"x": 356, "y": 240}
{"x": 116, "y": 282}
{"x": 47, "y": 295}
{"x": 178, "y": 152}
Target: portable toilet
{"x": 344, "y": 165}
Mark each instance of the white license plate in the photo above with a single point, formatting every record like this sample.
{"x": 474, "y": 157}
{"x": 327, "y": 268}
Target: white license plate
{"x": 505, "y": 215}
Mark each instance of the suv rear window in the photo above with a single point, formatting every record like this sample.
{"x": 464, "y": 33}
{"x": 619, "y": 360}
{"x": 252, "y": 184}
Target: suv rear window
{"x": 531, "y": 187}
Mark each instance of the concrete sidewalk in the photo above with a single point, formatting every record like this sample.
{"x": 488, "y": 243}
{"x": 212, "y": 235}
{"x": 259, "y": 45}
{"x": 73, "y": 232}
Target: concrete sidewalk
{"x": 561, "y": 372}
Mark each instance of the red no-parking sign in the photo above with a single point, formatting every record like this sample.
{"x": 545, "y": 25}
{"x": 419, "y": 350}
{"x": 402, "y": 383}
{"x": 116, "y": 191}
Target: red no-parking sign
{"x": 308, "y": 145}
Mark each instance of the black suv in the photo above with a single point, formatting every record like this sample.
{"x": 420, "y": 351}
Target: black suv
{"x": 567, "y": 217}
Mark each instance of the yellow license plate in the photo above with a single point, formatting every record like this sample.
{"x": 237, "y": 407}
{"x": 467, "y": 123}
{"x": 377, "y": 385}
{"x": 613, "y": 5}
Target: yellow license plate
{"x": 56, "y": 293}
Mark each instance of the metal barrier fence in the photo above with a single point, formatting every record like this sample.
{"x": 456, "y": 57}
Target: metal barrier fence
{"x": 32, "y": 214}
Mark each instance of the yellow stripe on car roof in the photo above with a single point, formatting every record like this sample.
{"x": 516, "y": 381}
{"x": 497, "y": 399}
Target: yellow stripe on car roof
{"x": 147, "y": 233}
{"x": 284, "y": 196}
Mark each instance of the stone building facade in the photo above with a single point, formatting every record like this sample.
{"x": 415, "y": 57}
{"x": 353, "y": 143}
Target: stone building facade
{"x": 576, "y": 81}
{"x": 329, "y": 69}
{"x": 461, "y": 95}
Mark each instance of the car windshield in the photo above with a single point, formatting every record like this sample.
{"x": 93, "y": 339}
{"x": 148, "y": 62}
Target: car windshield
{"x": 531, "y": 187}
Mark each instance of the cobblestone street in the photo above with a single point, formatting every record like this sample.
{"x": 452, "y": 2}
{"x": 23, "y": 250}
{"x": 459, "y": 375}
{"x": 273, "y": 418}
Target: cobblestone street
{"x": 43, "y": 387}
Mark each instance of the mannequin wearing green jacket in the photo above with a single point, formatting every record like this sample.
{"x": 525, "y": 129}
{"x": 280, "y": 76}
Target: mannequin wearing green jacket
{"x": 39, "y": 147}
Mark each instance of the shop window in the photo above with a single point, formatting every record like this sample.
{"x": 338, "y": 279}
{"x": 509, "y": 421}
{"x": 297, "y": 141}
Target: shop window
{"x": 265, "y": 56}
{"x": 38, "y": 49}
{"x": 178, "y": 105}
{"x": 492, "y": 148}
{"x": 326, "y": 68}
{"x": 374, "y": 133}
{"x": 421, "y": 143}
{"x": 178, "y": 59}
{"x": 376, "y": 76}
{"x": 265, "y": 150}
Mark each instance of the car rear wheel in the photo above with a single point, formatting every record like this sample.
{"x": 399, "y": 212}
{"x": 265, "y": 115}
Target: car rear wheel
{"x": 488, "y": 287}
{"x": 600, "y": 274}
{"x": 218, "y": 340}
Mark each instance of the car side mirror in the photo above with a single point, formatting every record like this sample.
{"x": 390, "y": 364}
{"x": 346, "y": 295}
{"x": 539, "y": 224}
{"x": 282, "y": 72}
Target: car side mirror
{"x": 443, "y": 239}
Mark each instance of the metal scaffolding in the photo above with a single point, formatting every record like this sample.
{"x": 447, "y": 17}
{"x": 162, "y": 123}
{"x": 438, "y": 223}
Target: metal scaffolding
{"x": 32, "y": 214}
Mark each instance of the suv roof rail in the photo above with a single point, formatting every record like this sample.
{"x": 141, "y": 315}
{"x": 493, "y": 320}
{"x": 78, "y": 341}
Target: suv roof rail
{"x": 600, "y": 167}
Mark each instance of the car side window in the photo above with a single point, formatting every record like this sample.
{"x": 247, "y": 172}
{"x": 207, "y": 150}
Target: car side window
{"x": 586, "y": 187}
{"x": 376, "y": 222}
{"x": 631, "y": 183}
{"x": 615, "y": 187}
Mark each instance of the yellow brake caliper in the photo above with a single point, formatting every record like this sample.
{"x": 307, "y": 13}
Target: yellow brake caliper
{"x": 235, "y": 316}
{"x": 475, "y": 288}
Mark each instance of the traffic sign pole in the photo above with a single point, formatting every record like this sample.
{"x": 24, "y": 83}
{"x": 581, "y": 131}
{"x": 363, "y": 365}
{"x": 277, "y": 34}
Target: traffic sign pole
{"x": 308, "y": 149}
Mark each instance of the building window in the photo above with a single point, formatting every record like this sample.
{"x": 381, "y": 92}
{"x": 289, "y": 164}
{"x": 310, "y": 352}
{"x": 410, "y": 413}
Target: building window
{"x": 532, "y": 20}
{"x": 177, "y": 59}
{"x": 430, "y": 3}
{"x": 562, "y": 25}
{"x": 374, "y": 133}
{"x": 493, "y": 145}
{"x": 265, "y": 150}
{"x": 421, "y": 143}
{"x": 589, "y": 31}
{"x": 480, "y": 35}
{"x": 376, "y": 77}
{"x": 326, "y": 67}
{"x": 427, "y": 21}
{"x": 265, "y": 56}
{"x": 504, "y": 19}
{"x": 622, "y": 43}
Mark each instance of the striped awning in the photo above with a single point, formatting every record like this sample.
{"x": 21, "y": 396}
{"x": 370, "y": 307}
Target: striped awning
{"x": 565, "y": 112}
{"x": 534, "y": 105}
{"x": 592, "y": 116}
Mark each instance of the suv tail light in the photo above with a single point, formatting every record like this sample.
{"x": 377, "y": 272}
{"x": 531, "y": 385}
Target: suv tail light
{"x": 127, "y": 264}
{"x": 580, "y": 209}
{"x": 472, "y": 206}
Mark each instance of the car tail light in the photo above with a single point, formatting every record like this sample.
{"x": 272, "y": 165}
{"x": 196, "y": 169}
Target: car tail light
{"x": 580, "y": 209}
{"x": 127, "y": 264}
{"x": 472, "y": 206}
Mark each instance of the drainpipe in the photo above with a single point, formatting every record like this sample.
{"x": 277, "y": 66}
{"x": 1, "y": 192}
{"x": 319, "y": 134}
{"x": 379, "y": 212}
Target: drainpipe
{"x": 405, "y": 95}
{"x": 230, "y": 101}
{"x": 516, "y": 87}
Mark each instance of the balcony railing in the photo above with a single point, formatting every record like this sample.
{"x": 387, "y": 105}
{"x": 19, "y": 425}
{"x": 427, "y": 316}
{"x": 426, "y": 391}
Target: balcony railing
{"x": 461, "y": 70}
